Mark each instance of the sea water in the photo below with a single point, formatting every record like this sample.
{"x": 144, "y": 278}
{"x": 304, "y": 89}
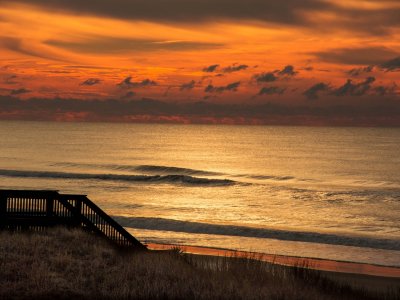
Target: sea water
{"x": 322, "y": 192}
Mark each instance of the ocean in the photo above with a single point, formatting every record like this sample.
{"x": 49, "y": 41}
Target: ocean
{"x": 321, "y": 192}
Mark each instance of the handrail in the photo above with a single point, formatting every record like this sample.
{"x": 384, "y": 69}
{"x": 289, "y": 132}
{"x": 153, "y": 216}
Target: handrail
{"x": 99, "y": 212}
{"x": 32, "y": 209}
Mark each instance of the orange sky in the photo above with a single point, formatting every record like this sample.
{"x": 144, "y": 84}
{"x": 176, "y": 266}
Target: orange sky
{"x": 317, "y": 62}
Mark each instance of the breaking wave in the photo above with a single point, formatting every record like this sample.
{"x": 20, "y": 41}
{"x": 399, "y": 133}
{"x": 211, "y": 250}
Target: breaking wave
{"x": 174, "y": 170}
{"x": 142, "y": 168}
{"x": 244, "y": 231}
{"x": 169, "y": 170}
{"x": 173, "y": 179}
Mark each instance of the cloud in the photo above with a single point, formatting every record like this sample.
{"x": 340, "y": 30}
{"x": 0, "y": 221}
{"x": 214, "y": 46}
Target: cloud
{"x": 391, "y": 65}
{"x": 354, "y": 89}
{"x": 265, "y": 77}
{"x": 19, "y": 91}
{"x": 187, "y": 86}
{"x": 91, "y": 81}
{"x": 18, "y": 45}
{"x": 381, "y": 112}
{"x": 127, "y": 83}
{"x": 272, "y": 90}
{"x": 356, "y": 56}
{"x": 128, "y": 95}
{"x": 359, "y": 71}
{"x": 377, "y": 19}
{"x": 219, "y": 89}
{"x": 210, "y": 69}
{"x": 115, "y": 45}
{"x": 234, "y": 68}
{"x": 314, "y": 91}
{"x": 10, "y": 79}
{"x": 285, "y": 73}
{"x": 190, "y": 11}
{"x": 288, "y": 71}
{"x": 385, "y": 90}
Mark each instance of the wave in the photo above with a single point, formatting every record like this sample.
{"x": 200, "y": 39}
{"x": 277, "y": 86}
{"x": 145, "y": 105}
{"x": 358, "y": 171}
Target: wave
{"x": 168, "y": 170}
{"x": 174, "y": 170}
{"x": 243, "y": 231}
{"x": 142, "y": 168}
{"x": 182, "y": 179}
{"x": 267, "y": 177}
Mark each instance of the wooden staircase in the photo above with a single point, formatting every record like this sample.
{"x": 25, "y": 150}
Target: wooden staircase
{"x": 38, "y": 210}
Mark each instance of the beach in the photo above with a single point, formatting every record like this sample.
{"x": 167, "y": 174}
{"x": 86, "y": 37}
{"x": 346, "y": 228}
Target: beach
{"x": 64, "y": 264}
{"x": 310, "y": 263}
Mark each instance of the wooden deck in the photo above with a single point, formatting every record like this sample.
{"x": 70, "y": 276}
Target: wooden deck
{"x": 38, "y": 210}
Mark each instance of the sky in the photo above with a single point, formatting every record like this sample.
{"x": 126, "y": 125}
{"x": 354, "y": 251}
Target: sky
{"x": 287, "y": 62}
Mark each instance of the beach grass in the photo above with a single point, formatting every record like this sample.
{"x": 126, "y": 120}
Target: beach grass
{"x": 72, "y": 264}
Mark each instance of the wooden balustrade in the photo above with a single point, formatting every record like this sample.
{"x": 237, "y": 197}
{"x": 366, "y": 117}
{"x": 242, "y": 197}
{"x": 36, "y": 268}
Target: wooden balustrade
{"x": 37, "y": 210}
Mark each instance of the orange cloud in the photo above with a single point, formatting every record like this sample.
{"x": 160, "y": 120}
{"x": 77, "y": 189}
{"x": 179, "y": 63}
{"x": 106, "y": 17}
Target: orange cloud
{"x": 50, "y": 50}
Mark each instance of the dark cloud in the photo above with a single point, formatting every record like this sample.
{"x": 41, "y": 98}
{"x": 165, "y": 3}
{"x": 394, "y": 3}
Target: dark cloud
{"x": 187, "y": 86}
{"x": 314, "y": 91}
{"x": 391, "y": 65}
{"x": 376, "y": 21}
{"x": 219, "y": 89}
{"x": 265, "y": 77}
{"x": 287, "y": 71}
{"x": 127, "y": 83}
{"x": 234, "y": 68}
{"x": 210, "y": 69}
{"x": 210, "y": 97}
{"x": 357, "y": 56}
{"x": 19, "y": 91}
{"x": 354, "y": 89}
{"x": 379, "y": 20}
{"x": 381, "y": 112}
{"x": 115, "y": 45}
{"x": 385, "y": 90}
{"x": 272, "y": 90}
{"x": 17, "y": 45}
{"x": 284, "y": 11}
{"x": 128, "y": 95}
{"x": 167, "y": 90}
{"x": 360, "y": 71}
{"x": 91, "y": 81}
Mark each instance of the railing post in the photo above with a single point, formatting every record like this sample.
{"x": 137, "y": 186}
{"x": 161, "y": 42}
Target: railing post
{"x": 77, "y": 213}
{"x": 49, "y": 206}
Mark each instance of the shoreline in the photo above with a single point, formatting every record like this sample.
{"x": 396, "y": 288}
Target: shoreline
{"x": 311, "y": 263}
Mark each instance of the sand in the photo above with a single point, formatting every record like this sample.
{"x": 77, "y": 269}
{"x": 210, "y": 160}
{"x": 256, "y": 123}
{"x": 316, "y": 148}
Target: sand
{"x": 369, "y": 276}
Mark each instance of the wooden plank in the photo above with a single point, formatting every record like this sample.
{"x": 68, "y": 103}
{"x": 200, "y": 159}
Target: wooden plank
{"x": 49, "y": 206}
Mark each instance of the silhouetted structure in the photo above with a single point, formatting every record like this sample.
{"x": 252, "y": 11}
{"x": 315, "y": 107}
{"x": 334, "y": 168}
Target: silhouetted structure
{"x": 37, "y": 210}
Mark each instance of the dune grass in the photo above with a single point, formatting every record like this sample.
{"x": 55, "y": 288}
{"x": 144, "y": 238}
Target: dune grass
{"x": 72, "y": 264}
